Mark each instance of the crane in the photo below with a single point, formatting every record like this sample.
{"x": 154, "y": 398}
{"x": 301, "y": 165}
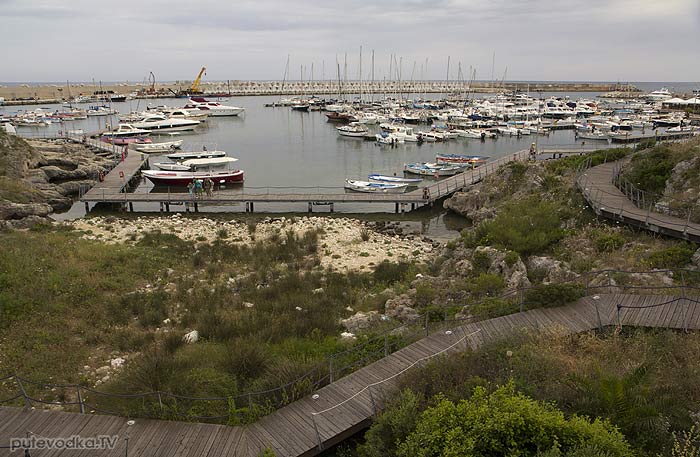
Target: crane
{"x": 152, "y": 80}
{"x": 195, "y": 89}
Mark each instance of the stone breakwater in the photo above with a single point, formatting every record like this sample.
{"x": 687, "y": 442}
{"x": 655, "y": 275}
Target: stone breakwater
{"x": 344, "y": 244}
{"x": 26, "y": 94}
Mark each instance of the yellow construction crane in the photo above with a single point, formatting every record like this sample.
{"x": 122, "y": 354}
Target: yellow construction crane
{"x": 195, "y": 89}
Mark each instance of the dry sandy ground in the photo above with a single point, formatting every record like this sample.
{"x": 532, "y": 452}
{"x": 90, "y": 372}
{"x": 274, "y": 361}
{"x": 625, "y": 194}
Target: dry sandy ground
{"x": 340, "y": 245}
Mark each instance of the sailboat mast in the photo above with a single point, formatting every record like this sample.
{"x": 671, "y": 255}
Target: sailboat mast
{"x": 360, "y": 74}
{"x": 372, "y": 91}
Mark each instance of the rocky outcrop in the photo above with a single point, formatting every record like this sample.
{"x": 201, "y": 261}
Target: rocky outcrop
{"x": 682, "y": 192}
{"x": 470, "y": 204}
{"x": 360, "y": 321}
{"x": 553, "y": 271}
{"x": 695, "y": 260}
{"x": 40, "y": 177}
{"x": 400, "y": 308}
{"x": 9, "y": 210}
{"x": 513, "y": 272}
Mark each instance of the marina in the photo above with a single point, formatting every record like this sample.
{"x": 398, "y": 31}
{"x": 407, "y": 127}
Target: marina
{"x": 292, "y": 156}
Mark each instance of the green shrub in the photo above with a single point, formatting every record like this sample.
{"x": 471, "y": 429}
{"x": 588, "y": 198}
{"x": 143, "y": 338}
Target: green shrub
{"x": 399, "y": 419}
{"x": 526, "y": 227}
{"x": 493, "y": 307}
{"x": 425, "y": 293}
{"x": 481, "y": 261}
{"x": 511, "y": 258}
{"x": 552, "y": 295}
{"x": 673, "y": 257}
{"x": 609, "y": 242}
{"x": 505, "y": 423}
{"x": 390, "y": 272}
{"x": 649, "y": 170}
{"x": 487, "y": 284}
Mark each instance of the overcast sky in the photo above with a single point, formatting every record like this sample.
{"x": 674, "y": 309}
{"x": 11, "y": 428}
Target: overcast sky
{"x": 602, "y": 40}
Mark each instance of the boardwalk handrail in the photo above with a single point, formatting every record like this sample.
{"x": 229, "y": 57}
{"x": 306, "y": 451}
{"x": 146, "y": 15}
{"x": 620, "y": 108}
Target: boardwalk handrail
{"x": 335, "y": 365}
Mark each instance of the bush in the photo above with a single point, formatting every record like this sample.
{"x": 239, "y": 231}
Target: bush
{"x": 390, "y": 272}
{"x": 526, "y": 227}
{"x": 365, "y": 234}
{"x": 481, "y": 261}
{"x": 493, "y": 307}
{"x": 487, "y": 284}
{"x": 552, "y": 295}
{"x": 673, "y": 257}
{"x": 395, "y": 424}
{"x": 505, "y": 423}
{"x": 649, "y": 170}
{"x": 609, "y": 242}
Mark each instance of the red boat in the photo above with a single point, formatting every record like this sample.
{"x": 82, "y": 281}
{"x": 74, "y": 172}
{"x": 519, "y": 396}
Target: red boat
{"x": 183, "y": 178}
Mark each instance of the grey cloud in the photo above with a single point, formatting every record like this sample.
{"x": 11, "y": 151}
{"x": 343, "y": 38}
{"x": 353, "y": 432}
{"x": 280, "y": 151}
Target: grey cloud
{"x": 244, "y": 39}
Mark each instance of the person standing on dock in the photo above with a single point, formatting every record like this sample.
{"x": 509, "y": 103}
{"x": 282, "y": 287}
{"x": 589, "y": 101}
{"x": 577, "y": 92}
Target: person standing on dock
{"x": 209, "y": 187}
{"x": 198, "y": 187}
{"x": 190, "y": 188}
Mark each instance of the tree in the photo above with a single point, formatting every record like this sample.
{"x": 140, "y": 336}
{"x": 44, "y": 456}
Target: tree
{"x": 506, "y": 423}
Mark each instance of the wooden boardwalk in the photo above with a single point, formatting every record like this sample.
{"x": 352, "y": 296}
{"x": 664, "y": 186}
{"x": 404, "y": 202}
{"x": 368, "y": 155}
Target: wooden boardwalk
{"x": 335, "y": 412}
{"x": 597, "y": 186}
{"x": 112, "y": 190}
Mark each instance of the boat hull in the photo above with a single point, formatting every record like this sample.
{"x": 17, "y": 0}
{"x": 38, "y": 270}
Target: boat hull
{"x": 184, "y": 178}
{"x": 375, "y": 188}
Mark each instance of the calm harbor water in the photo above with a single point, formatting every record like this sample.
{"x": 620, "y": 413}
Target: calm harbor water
{"x": 285, "y": 151}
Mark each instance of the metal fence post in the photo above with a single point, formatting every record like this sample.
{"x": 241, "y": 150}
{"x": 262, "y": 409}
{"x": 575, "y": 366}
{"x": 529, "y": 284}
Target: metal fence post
{"x": 371, "y": 397}
{"x": 80, "y": 399}
{"x": 27, "y": 402}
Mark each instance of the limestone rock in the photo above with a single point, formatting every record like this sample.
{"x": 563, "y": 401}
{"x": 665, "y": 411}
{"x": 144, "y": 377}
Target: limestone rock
{"x": 556, "y": 270}
{"x": 696, "y": 258}
{"x": 360, "y": 321}
{"x": 9, "y": 210}
{"x": 400, "y": 308}
{"x": 514, "y": 275}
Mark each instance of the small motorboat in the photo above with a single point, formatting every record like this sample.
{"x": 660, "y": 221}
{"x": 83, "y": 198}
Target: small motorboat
{"x": 375, "y": 187}
{"x": 301, "y": 107}
{"x": 393, "y": 179}
{"x": 460, "y": 159}
{"x": 354, "y": 129}
{"x": 388, "y": 138}
{"x": 159, "y": 147}
{"x": 178, "y": 156}
{"x": 183, "y": 178}
{"x": 432, "y": 169}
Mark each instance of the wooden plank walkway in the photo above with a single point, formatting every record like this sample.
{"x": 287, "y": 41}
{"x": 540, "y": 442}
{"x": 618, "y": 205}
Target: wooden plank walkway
{"x": 608, "y": 201}
{"x": 111, "y": 190}
{"x": 345, "y": 407}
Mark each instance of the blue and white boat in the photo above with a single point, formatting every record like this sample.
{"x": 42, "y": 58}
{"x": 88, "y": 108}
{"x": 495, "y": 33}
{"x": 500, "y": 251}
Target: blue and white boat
{"x": 374, "y": 187}
{"x": 432, "y": 169}
{"x": 393, "y": 179}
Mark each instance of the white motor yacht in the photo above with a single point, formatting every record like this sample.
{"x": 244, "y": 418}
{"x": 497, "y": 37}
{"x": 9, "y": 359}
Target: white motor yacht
{"x": 159, "y": 123}
{"x": 213, "y": 108}
{"x": 126, "y": 130}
